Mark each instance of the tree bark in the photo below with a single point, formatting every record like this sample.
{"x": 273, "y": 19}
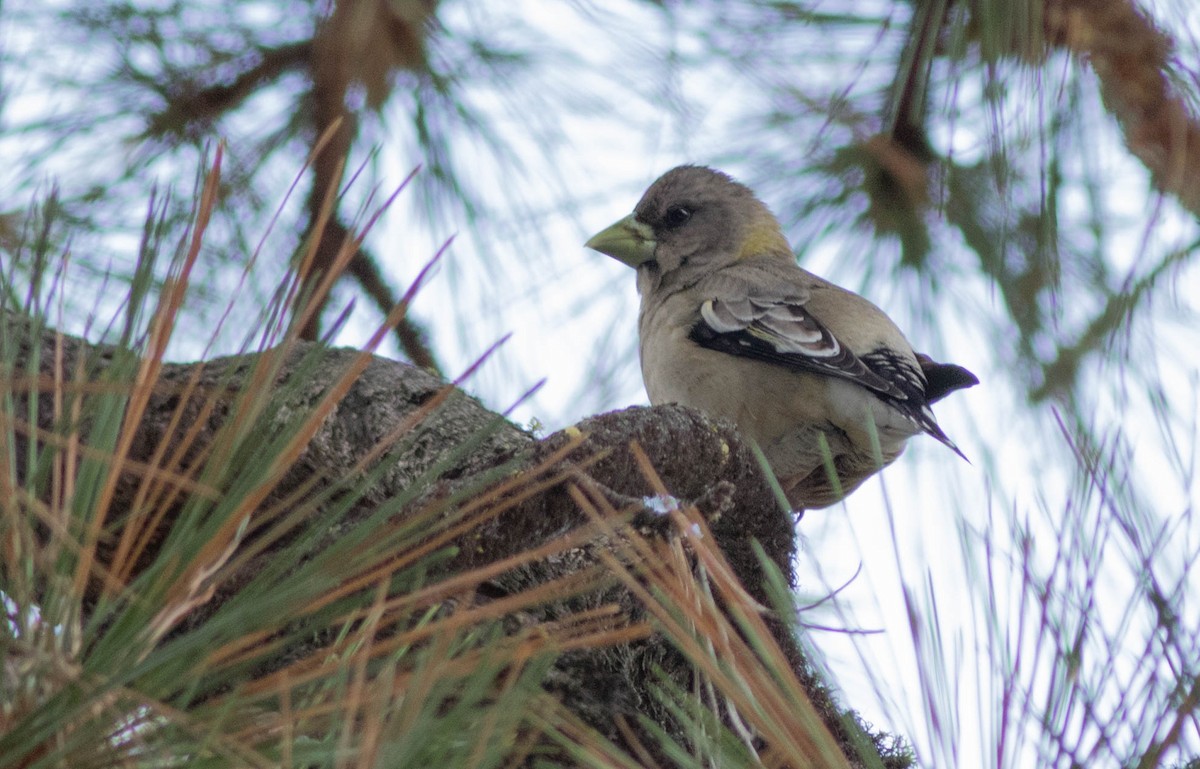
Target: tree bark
{"x": 701, "y": 461}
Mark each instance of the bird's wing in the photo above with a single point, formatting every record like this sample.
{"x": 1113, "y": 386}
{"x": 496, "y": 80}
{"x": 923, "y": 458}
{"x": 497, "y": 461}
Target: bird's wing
{"x": 781, "y": 331}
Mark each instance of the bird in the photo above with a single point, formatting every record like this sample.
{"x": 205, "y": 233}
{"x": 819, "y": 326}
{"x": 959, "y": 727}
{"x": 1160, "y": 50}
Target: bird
{"x": 817, "y": 376}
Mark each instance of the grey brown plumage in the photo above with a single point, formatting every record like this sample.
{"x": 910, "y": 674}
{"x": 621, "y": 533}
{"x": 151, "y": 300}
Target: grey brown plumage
{"x": 818, "y": 376}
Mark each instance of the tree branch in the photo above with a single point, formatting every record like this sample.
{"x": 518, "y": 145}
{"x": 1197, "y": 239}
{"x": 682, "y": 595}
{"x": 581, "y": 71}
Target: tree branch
{"x": 1130, "y": 58}
{"x": 189, "y": 104}
{"x": 701, "y": 462}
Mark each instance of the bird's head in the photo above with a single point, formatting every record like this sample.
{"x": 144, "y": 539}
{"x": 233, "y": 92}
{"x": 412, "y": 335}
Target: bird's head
{"x": 693, "y": 218}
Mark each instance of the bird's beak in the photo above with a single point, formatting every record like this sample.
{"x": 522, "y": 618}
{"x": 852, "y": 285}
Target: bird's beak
{"x": 628, "y": 241}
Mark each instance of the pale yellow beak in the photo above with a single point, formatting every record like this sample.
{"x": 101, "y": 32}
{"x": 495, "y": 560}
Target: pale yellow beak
{"x": 628, "y": 241}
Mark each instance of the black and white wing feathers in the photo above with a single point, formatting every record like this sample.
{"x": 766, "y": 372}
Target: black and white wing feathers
{"x": 781, "y": 331}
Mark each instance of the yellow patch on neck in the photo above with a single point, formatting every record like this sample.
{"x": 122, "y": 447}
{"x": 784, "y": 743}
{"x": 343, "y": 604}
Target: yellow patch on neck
{"x": 764, "y": 236}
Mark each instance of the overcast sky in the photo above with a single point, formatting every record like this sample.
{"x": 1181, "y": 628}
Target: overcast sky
{"x": 924, "y": 523}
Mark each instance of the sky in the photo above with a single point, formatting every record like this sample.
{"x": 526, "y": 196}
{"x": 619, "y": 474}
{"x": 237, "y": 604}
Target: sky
{"x": 914, "y": 538}
{"x": 918, "y": 535}
{"x": 923, "y": 534}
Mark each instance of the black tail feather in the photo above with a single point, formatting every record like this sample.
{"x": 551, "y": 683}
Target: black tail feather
{"x": 941, "y": 379}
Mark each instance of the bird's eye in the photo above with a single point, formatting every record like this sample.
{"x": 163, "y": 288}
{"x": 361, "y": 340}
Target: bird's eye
{"x": 676, "y": 216}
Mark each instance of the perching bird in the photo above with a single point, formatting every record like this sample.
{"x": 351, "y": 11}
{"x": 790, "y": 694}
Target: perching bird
{"x": 819, "y": 377}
